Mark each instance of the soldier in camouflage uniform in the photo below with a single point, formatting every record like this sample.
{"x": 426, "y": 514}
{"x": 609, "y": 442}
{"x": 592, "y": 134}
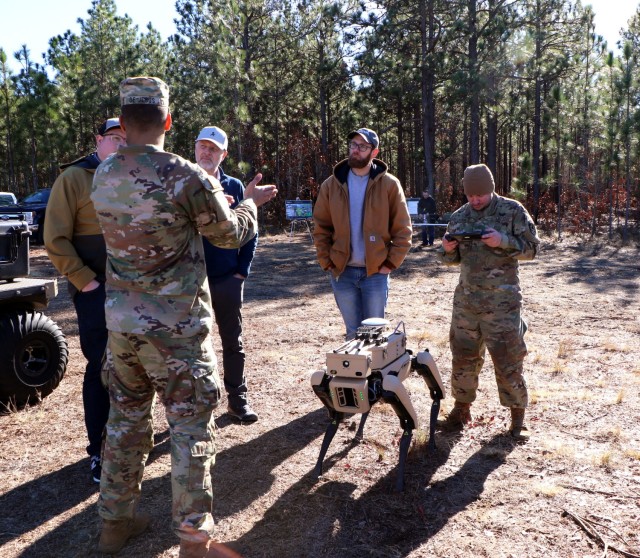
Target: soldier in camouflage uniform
{"x": 153, "y": 208}
{"x": 487, "y": 300}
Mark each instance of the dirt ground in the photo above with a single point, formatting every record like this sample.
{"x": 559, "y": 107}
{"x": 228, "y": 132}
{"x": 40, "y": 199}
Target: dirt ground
{"x": 479, "y": 494}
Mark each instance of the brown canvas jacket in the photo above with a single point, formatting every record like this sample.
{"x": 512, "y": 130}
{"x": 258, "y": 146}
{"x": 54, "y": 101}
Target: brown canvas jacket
{"x": 386, "y": 222}
{"x": 72, "y": 235}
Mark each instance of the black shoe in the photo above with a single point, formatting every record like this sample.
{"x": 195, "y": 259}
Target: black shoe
{"x": 243, "y": 413}
{"x": 96, "y": 468}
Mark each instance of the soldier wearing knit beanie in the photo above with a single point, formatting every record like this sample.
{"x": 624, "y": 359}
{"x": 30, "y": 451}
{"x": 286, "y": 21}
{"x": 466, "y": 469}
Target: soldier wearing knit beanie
{"x": 478, "y": 181}
{"x": 488, "y": 300}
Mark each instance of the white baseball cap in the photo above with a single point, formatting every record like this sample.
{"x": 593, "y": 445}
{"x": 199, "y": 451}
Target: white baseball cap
{"x": 108, "y": 125}
{"x": 214, "y": 135}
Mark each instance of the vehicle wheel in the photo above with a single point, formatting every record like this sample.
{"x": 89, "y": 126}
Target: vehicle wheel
{"x": 33, "y": 358}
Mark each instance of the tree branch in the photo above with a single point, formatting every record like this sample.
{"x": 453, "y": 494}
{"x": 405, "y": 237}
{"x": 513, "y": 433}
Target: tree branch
{"x": 593, "y": 533}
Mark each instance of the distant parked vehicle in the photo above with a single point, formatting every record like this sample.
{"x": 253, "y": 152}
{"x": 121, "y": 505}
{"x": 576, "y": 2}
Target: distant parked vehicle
{"x": 36, "y": 203}
{"x": 8, "y": 198}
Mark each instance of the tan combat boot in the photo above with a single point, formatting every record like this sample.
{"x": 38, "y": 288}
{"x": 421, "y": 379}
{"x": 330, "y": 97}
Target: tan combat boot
{"x": 116, "y": 533}
{"x": 518, "y": 430}
{"x": 206, "y": 549}
{"x": 459, "y": 416}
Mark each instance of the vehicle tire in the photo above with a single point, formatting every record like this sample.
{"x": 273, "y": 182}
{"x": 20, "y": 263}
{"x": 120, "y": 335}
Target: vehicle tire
{"x": 33, "y": 358}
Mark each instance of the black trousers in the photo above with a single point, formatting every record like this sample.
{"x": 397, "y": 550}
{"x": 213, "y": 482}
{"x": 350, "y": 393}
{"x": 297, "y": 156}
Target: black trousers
{"x": 92, "y": 329}
{"x": 227, "y": 307}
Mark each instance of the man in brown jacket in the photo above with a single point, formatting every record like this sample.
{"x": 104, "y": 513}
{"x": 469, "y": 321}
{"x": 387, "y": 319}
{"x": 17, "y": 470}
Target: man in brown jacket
{"x": 76, "y": 247}
{"x": 362, "y": 230}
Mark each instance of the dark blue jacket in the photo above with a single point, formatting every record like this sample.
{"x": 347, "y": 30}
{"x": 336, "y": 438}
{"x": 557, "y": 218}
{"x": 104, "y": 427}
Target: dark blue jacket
{"x": 222, "y": 262}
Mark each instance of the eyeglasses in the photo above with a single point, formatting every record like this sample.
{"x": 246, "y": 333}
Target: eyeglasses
{"x": 362, "y": 147}
{"x": 115, "y": 138}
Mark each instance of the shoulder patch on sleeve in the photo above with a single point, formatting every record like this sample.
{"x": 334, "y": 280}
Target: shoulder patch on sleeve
{"x": 210, "y": 182}
{"x": 531, "y": 234}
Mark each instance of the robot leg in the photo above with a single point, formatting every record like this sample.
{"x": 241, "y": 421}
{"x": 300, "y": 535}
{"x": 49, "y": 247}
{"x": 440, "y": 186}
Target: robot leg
{"x": 405, "y": 444}
{"x": 360, "y": 433}
{"x": 328, "y": 437}
{"x": 320, "y": 383}
{"x": 426, "y": 366}
{"x": 396, "y": 395}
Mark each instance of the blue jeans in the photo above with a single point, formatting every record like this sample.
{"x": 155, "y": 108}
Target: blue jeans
{"x": 92, "y": 330}
{"x": 360, "y": 297}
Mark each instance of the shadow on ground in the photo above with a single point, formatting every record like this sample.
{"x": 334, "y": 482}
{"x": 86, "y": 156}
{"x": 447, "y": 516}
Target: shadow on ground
{"x": 79, "y": 532}
{"x": 321, "y": 519}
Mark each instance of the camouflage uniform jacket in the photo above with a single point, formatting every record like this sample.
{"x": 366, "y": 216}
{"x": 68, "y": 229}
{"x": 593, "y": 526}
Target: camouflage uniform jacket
{"x": 492, "y": 269}
{"x": 153, "y": 207}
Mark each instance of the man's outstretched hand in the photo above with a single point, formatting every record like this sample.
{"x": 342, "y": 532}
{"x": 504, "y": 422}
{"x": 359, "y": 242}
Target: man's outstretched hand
{"x": 260, "y": 194}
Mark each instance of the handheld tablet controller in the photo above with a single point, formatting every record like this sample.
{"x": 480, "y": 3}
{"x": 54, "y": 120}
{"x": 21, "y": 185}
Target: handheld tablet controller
{"x": 464, "y": 236}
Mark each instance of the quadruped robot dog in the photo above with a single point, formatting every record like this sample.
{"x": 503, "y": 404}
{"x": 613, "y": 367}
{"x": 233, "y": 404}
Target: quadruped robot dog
{"x": 369, "y": 368}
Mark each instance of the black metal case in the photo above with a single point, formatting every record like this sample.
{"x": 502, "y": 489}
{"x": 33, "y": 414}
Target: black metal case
{"x": 14, "y": 249}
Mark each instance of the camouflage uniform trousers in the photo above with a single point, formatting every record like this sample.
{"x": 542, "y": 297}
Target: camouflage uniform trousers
{"x": 184, "y": 374}
{"x": 486, "y": 321}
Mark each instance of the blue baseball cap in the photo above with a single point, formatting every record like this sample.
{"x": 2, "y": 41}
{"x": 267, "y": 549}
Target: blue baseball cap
{"x": 367, "y": 135}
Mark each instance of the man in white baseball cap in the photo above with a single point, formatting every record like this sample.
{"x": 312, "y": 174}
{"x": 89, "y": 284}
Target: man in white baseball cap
{"x": 214, "y": 135}
{"x": 227, "y": 270}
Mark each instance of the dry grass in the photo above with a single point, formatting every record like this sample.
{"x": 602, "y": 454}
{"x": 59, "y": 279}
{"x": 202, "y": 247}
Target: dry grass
{"x": 604, "y": 459}
{"x": 586, "y": 395}
{"x": 559, "y": 367}
{"x": 548, "y": 490}
{"x": 614, "y": 433}
{"x": 556, "y": 449}
{"x": 632, "y": 454}
{"x": 563, "y": 350}
{"x": 614, "y": 346}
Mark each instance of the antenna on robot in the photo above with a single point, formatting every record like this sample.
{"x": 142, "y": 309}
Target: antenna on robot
{"x": 375, "y": 322}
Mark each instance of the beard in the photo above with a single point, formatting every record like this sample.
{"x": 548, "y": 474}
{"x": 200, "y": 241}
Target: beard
{"x": 207, "y": 165}
{"x": 356, "y": 163}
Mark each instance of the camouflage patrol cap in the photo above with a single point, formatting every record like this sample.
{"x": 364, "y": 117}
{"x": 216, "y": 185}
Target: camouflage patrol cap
{"x": 478, "y": 181}
{"x": 144, "y": 90}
